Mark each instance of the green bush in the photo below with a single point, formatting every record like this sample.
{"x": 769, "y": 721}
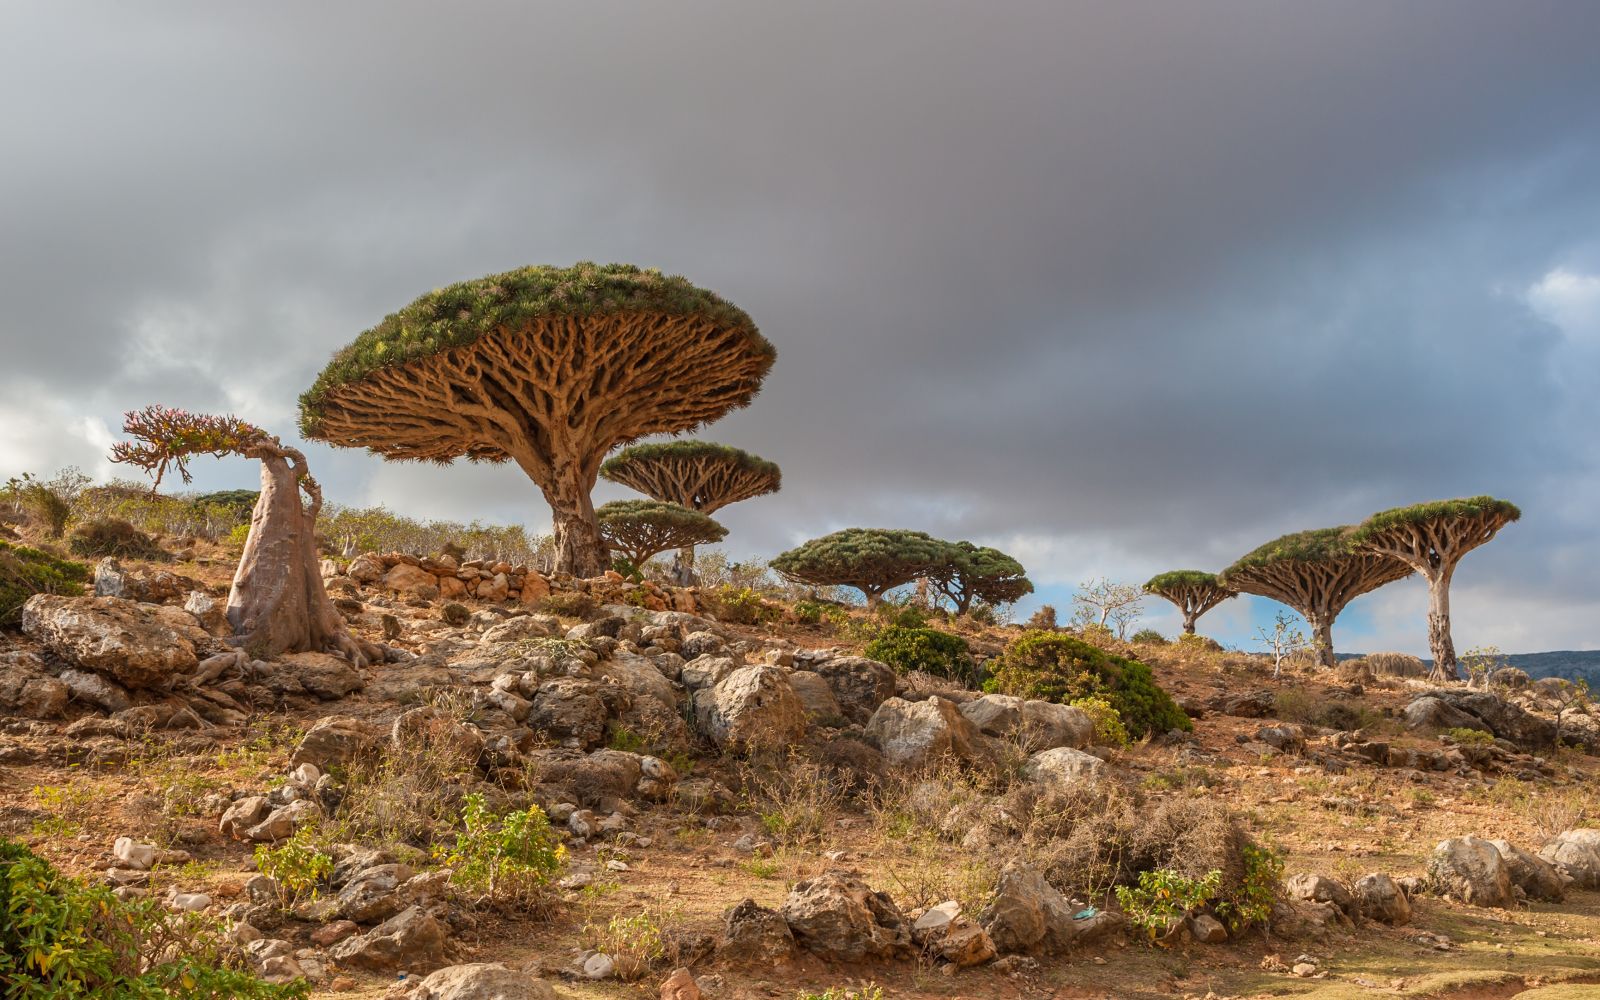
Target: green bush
{"x": 925, "y": 649}
{"x": 25, "y": 572}
{"x": 112, "y": 536}
{"x": 1108, "y": 728}
{"x": 298, "y": 865}
{"x": 63, "y": 940}
{"x": 1060, "y": 668}
{"x": 1149, "y": 636}
{"x": 504, "y": 858}
{"x": 901, "y": 615}
{"x": 1163, "y": 896}
{"x": 738, "y": 605}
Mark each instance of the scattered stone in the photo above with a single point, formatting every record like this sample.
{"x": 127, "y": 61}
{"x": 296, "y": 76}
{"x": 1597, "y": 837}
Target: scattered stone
{"x": 753, "y": 707}
{"x": 1537, "y": 878}
{"x": 1378, "y": 897}
{"x": 1471, "y": 870}
{"x": 484, "y": 981}
{"x": 1207, "y": 929}
{"x": 755, "y": 935}
{"x": 681, "y": 986}
{"x": 1315, "y": 888}
{"x": 918, "y": 733}
{"x": 412, "y": 939}
{"x": 1576, "y": 854}
{"x": 837, "y": 917}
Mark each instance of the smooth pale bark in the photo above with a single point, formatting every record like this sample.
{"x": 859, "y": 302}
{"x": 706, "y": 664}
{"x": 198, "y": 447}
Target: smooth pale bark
{"x": 683, "y": 567}
{"x": 1188, "y": 624}
{"x": 1322, "y": 634}
{"x": 277, "y": 603}
{"x": 1442, "y": 647}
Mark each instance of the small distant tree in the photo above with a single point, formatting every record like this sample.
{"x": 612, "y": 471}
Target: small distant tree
{"x": 978, "y": 573}
{"x": 1480, "y": 663}
{"x": 1192, "y": 591}
{"x": 1112, "y": 606}
{"x": 872, "y": 560}
{"x": 1044, "y": 619}
{"x": 642, "y": 529}
{"x": 48, "y": 501}
{"x": 700, "y": 475}
{"x": 1317, "y": 573}
{"x": 1282, "y": 641}
{"x": 1431, "y": 538}
{"x": 277, "y": 603}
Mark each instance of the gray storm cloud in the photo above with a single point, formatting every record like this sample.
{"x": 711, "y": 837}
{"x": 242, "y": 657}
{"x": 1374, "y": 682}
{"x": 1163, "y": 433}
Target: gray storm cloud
{"x": 1129, "y": 285}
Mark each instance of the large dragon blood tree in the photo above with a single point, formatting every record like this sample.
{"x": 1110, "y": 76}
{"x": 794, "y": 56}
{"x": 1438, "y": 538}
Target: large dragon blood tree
{"x": 872, "y": 560}
{"x": 976, "y": 572}
{"x": 1316, "y": 573}
{"x": 1192, "y": 591}
{"x": 642, "y": 529}
{"x": 700, "y": 475}
{"x": 277, "y": 603}
{"x": 1431, "y": 538}
{"x": 547, "y": 367}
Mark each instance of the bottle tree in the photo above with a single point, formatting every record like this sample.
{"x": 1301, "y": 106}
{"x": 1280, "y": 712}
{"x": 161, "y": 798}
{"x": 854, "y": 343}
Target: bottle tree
{"x": 974, "y": 572}
{"x": 872, "y": 560}
{"x": 640, "y": 530}
{"x": 1317, "y": 573}
{"x": 277, "y": 603}
{"x": 1192, "y": 591}
{"x": 547, "y": 367}
{"x": 700, "y": 475}
{"x": 1431, "y": 538}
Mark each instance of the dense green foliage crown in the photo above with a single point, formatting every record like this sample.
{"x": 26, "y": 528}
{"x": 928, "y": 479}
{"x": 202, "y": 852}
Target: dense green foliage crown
{"x": 857, "y": 555}
{"x": 1177, "y": 578}
{"x": 658, "y": 514}
{"x": 688, "y": 450}
{"x": 459, "y": 314}
{"x": 1464, "y": 508}
{"x": 1061, "y": 668}
{"x": 1316, "y": 545}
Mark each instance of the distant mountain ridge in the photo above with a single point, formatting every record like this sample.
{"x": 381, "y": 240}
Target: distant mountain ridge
{"x": 1573, "y": 664}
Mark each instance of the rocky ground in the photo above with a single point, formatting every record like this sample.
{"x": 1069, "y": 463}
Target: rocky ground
{"x": 760, "y": 811}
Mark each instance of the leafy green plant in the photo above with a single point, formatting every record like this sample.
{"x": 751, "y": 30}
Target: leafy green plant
{"x": 1470, "y": 737}
{"x": 1249, "y": 904}
{"x": 908, "y": 648}
{"x": 740, "y": 605}
{"x": 66, "y": 809}
{"x": 633, "y": 942}
{"x": 64, "y": 940}
{"x": 1061, "y": 668}
{"x": 47, "y": 501}
{"x": 1163, "y": 895}
{"x": 25, "y": 572}
{"x": 504, "y": 858}
{"x": 298, "y": 865}
{"x": 1148, "y": 637}
{"x": 1108, "y": 728}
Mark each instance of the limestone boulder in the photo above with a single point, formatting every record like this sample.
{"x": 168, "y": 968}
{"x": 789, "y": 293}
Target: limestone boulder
{"x": 484, "y": 981}
{"x": 1470, "y": 869}
{"x": 752, "y": 708}
{"x": 919, "y": 733}
{"x": 835, "y": 916}
{"x": 136, "y": 645}
{"x": 1575, "y": 854}
{"x": 859, "y": 685}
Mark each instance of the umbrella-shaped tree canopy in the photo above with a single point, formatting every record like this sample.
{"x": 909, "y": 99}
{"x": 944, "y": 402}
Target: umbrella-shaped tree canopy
{"x": 1193, "y": 591}
{"x": 643, "y": 529}
{"x": 549, "y": 367}
{"x": 1316, "y": 573}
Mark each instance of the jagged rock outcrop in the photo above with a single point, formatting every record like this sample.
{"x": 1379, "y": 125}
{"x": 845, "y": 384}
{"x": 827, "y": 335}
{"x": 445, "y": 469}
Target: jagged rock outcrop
{"x": 136, "y": 645}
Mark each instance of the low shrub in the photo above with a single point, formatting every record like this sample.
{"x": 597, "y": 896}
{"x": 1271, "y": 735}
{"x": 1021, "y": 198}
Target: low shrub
{"x": 928, "y": 650}
{"x": 298, "y": 865}
{"x": 508, "y": 858}
{"x": 1149, "y": 637}
{"x": 1108, "y": 728}
{"x": 567, "y": 604}
{"x": 1470, "y": 737}
{"x": 1163, "y": 896}
{"x": 738, "y": 605}
{"x": 112, "y": 537}
{"x": 1060, "y": 668}
{"x": 25, "y": 572}
{"x": 1044, "y": 618}
{"x": 1199, "y": 643}
{"x": 633, "y": 942}
{"x": 63, "y": 939}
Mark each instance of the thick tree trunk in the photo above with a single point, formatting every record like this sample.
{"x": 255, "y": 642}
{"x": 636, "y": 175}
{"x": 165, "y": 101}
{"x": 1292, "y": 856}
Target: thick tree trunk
{"x": 1440, "y": 644}
{"x": 579, "y": 550}
{"x": 1322, "y": 636}
{"x": 683, "y": 567}
{"x": 1188, "y": 623}
{"x": 277, "y": 603}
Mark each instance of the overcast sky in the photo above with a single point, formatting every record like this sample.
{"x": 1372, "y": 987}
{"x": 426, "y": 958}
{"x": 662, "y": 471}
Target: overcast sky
{"x": 1118, "y": 287}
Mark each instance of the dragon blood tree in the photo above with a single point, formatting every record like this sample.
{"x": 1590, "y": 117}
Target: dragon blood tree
{"x": 547, "y": 367}
{"x": 1193, "y": 592}
{"x": 1316, "y": 573}
{"x": 974, "y": 572}
{"x": 277, "y": 603}
{"x": 1431, "y": 538}
{"x": 642, "y": 529}
{"x": 699, "y": 475}
{"x": 872, "y": 560}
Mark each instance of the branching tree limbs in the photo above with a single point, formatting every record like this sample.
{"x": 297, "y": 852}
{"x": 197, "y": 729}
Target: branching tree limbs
{"x": 277, "y": 603}
{"x": 547, "y": 367}
{"x": 700, "y": 475}
{"x": 1108, "y": 605}
{"x": 873, "y": 560}
{"x": 1431, "y": 538}
{"x": 1317, "y": 573}
{"x": 973, "y": 572}
{"x": 642, "y": 529}
{"x": 1193, "y": 592}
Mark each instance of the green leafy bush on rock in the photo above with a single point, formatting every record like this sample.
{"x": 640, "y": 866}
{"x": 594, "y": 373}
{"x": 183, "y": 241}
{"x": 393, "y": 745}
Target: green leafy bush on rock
{"x": 25, "y": 572}
{"x": 1060, "y": 668}
{"x": 926, "y": 649}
